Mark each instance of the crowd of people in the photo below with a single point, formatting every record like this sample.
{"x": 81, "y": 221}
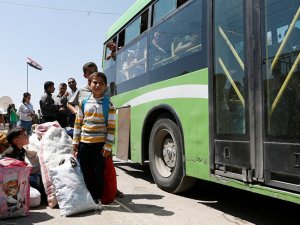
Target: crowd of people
{"x": 87, "y": 110}
{"x": 52, "y": 107}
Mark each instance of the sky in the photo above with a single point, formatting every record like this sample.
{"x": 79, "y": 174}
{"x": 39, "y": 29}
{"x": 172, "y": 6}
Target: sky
{"x": 61, "y": 41}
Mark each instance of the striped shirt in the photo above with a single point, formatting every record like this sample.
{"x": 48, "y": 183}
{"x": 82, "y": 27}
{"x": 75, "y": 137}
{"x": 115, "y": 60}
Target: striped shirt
{"x": 91, "y": 127}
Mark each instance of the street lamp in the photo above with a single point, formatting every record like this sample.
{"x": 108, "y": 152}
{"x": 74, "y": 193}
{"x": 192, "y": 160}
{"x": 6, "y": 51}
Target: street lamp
{"x": 33, "y": 64}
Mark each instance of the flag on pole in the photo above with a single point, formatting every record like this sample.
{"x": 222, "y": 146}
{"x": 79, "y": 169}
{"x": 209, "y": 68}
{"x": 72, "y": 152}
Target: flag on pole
{"x": 34, "y": 64}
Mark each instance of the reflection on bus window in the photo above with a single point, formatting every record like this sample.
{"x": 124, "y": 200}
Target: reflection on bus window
{"x": 236, "y": 109}
{"x": 132, "y": 61}
{"x": 185, "y": 43}
{"x": 137, "y": 27}
{"x": 162, "y": 8}
{"x": 281, "y": 72}
{"x": 133, "y": 30}
{"x": 177, "y": 38}
{"x": 269, "y": 38}
{"x": 160, "y": 52}
{"x": 280, "y": 33}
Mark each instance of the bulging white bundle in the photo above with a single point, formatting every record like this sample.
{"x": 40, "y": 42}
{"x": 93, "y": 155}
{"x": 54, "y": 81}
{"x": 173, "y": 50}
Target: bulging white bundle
{"x": 71, "y": 192}
{"x": 35, "y": 198}
{"x": 32, "y": 150}
{"x": 34, "y": 143}
{"x": 56, "y": 145}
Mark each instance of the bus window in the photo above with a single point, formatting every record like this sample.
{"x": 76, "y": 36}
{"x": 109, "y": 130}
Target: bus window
{"x": 144, "y": 21}
{"x": 132, "y": 61}
{"x": 138, "y": 26}
{"x": 109, "y": 64}
{"x": 162, "y": 8}
{"x": 281, "y": 72}
{"x": 229, "y": 71}
{"x": 133, "y": 30}
{"x": 177, "y": 44}
{"x": 121, "y": 39}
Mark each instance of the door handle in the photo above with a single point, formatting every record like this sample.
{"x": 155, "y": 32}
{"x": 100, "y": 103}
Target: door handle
{"x": 297, "y": 160}
{"x": 226, "y": 153}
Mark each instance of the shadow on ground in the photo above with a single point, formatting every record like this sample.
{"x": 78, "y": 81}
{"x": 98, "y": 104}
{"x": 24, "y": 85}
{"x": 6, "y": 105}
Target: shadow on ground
{"x": 251, "y": 207}
{"x": 33, "y": 218}
{"x": 136, "y": 170}
{"x": 134, "y": 207}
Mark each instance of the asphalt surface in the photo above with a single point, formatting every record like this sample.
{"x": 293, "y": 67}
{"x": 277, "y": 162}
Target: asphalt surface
{"x": 144, "y": 203}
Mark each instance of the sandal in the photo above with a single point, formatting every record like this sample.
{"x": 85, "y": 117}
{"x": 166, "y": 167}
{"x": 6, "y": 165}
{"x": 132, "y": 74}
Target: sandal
{"x": 120, "y": 194}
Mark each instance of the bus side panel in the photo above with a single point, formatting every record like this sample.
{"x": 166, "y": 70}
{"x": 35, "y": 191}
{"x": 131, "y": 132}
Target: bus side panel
{"x": 195, "y": 132}
{"x": 137, "y": 120}
{"x": 192, "y": 114}
{"x": 196, "y": 137}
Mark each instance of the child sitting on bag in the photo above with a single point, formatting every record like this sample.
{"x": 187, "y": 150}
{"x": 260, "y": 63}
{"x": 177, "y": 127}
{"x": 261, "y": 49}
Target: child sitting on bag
{"x": 18, "y": 138}
{"x": 94, "y": 136}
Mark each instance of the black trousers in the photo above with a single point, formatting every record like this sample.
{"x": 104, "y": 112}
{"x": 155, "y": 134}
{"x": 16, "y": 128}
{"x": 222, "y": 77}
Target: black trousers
{"x": 62, "y": 120}
{"x": 48, "y": 119}
{"x": 92, "y": 166}
{"x": 72, "y": 120}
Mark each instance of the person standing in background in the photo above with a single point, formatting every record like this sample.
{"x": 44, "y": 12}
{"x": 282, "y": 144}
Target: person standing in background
{"x": 8, "y": 115}
{"x": 26, "y": 112}
{"x": 61, "y": 99}
{"x": 13, "y": 117}
{"x": 40, "y": 119}
{"x": 73, "y": 86}
{"x": 85, "y": 91}
{"x": 47, "y": 105}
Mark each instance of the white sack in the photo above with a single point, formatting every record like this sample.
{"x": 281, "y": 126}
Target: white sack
{"x": 55, "y": 146}
{"x": 32, "y": 150}
{"x": 35, "y": 198}
{"x": 71, "y": 192}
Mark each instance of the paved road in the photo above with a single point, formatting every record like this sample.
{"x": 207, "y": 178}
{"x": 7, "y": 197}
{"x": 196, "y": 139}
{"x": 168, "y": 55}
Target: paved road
{"x": 205, "y": 204}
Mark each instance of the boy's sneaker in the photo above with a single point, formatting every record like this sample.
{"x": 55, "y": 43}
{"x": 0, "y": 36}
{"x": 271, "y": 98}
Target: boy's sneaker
{"x": 100, "y": 207}
{"x": 99, "y": 204}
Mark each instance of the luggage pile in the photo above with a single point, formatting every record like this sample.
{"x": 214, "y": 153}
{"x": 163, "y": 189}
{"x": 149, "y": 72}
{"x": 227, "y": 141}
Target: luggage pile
{"x": 50, "y": 153}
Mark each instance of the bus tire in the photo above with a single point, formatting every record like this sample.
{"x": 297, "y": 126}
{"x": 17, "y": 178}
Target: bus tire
{"x": 166, "y": 157}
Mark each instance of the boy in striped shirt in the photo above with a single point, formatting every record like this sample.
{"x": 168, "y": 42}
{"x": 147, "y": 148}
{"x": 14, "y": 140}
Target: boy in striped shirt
{"x": 94, "y": 136}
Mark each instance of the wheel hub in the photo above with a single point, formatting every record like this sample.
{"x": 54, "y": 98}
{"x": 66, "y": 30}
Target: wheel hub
{"x": 169, "y": 153}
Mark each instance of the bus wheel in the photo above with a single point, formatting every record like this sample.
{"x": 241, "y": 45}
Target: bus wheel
{"x": 166, "y": 157}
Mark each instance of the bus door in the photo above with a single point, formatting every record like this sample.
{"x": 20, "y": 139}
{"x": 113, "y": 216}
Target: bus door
{"x": 280, "y": 21}
{"x": 231, "y": 142}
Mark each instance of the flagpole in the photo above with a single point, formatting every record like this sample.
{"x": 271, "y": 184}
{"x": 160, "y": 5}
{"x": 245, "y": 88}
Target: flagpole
{"x": 27, "y": 76}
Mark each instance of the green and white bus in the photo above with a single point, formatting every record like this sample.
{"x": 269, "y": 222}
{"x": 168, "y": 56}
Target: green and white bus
{"x": 210, "y": 89}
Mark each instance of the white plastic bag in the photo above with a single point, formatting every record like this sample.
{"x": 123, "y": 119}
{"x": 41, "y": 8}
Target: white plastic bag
{"x": 55, "y": 146}
{"x": 72, "y": 195}
{"x": 32, "y": 150}
{"x": 35, "y": 198}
